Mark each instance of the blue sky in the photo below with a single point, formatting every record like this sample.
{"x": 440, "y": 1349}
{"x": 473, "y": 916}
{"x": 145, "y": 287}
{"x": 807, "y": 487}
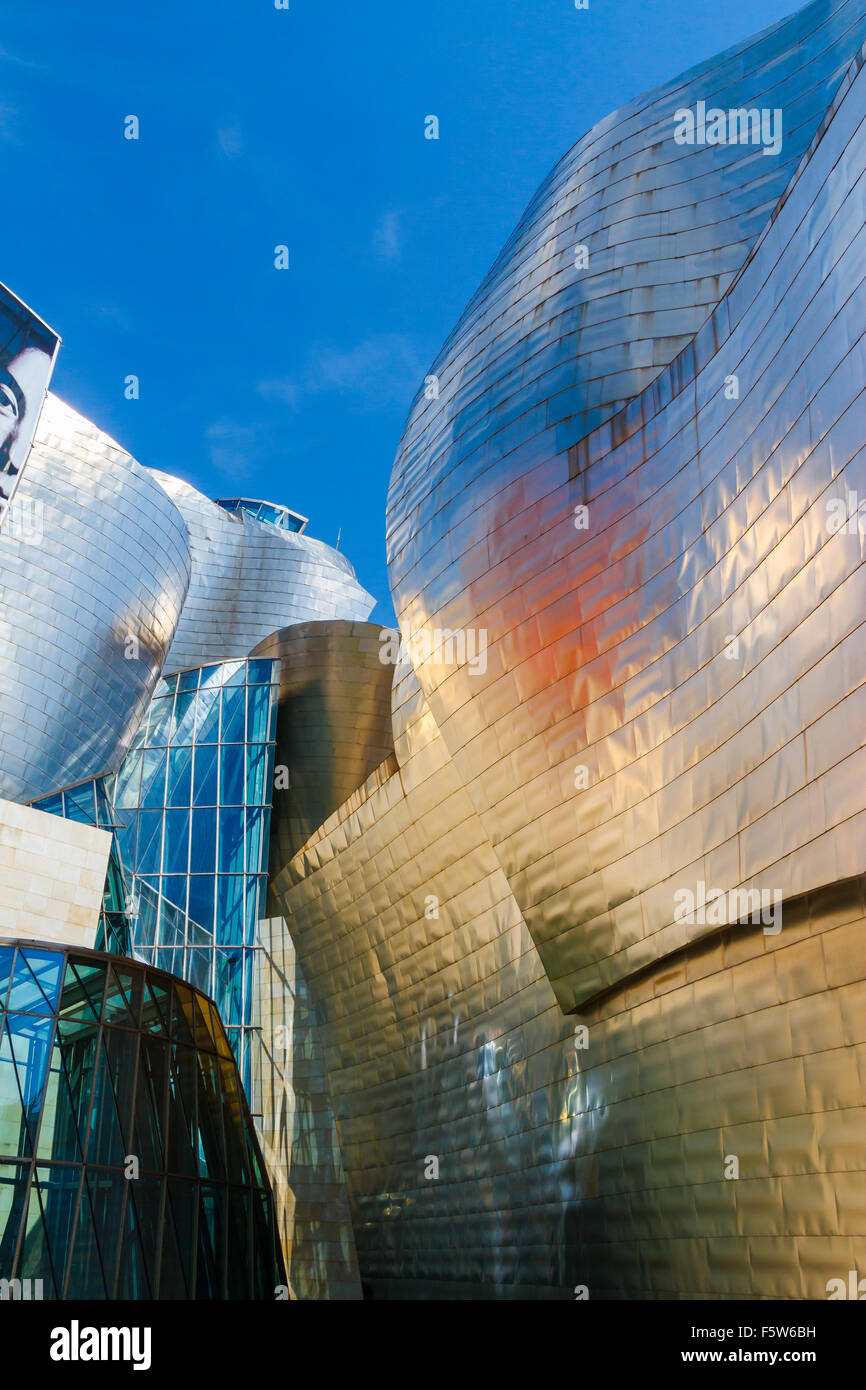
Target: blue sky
{"x": 306, "y": 128}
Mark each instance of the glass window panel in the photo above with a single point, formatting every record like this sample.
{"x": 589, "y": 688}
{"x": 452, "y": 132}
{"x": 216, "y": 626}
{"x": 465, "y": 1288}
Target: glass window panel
{"x": 81, "y": 804}
{"x": 107, "y": 1141}
{"x": 181, "y": 1111}
{"x": 14, "y": 1178}
{"x": 234, "y": 672}
{"x": 187, "y": 680}
{"x": 262, "y": 672}
{"x": 149, "y": 849}
{"x": 258, "y": 713}
{"x": 60, "y": 1134}
{"x": 128, "y": 781}
{"x": 256, "y": 848}
{"x": 233, "y": 725}
{"x": 160, "y": 720}
{"x": 203, "y": 848}
{"x": 230, "y": 910}
{"x": 133, "y": 1280}
{"x": 50, "y": 1222}
{"x": 36, "y": 982}
{"x": 232, "y": 768}
{"x": 201, "y": 900}
{"x": 256, "y": 767}
{"x": 84, "y": 1275}
{"x": 175, "y": 853}
{"x": 14, "y": 1135}
{"x": 238, "y": 1258}
{"x": 182, "y": 1014}
{"x": 231, "y": 840}
{"x": 205, "y": 776}
{"x": 145, "y": 1197}
{"x": 180, "y": 1208}
{"x": 211, "y": 1158}
{"x": 180, "y": 776}
{"x": 51, "y": 805}
{"x": 155, "y": 1011}
{"x": 211, "y": 1244}
{"x": 183, "y": 720}
{"x": 107, "y": 1197}
{"x": 31, "y": 1048}
{"x": 229, "y": 987}
{"x": 207, "y": 719}
{"x": 153, "y": 778}
{"x": 236, "y": 1151}
{"x": 7, "y": 956}
{"x": 255, "y": 895}
{"x": 123, "y": 996}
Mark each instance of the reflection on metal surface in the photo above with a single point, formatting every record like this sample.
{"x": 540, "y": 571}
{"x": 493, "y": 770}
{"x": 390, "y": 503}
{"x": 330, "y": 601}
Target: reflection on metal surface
{"x": 94, "y": 567}
{"x": 249, "y": 578}
{"x": 545, "y": 1077}
{"x": 333, "y": 723}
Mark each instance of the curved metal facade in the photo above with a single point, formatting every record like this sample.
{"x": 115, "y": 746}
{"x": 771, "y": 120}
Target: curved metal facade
{"x": 333, "y": 723}
{"x": 670, "y": 619}
{"x": 249, "y": 579}
{"x": 93, "y": 578}
{"x": 671, "y": 697}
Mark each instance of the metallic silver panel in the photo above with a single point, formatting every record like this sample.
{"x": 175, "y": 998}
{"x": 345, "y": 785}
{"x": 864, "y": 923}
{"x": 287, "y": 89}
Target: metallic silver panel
{"x": 250, "y": 578}
{"x": 333, "y": 723}
{"x": 94, "y": 567}
{"x": 609, "y": 648}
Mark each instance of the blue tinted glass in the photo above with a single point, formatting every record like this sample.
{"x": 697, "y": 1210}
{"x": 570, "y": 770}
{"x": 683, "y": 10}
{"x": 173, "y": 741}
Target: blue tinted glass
{"x": 262, "y": 672}
{"x": 207, "y": 724}
{"x": 128, "y": 781}
{"x": 160, "y": 720}
{"x": 175, "y": 857}
{"x": 183, "y": 722}
{"x": 148, "y": 856}
{"x": 233, "y": 715}
{"x": 205, "y": 776}
{"x": 52, "y": 805}
{"x": 232, "y": 769}
{"x": 256, "y": 766}
{"x": 201, "y": 899}
{"x": 7, "y": 954}
{"x": 228, "y": 992}
{"x": 256, "y": 850}
{"x": 36, "y": 982}
{"x": 81, "y": 804}
{"x": 230, "y": 910}
{"x": 258, "y": 714}
{"x": 179, "y": 776}
{"x": 187, "y": 680}
{"x": 256, "y": 888}
{"x": 153, "y": 777}
{"x": 231, "y": 840}
{"x": 203, "y": 852}
{"x": 234, "y": 673}
{"x": 173, "y": 888}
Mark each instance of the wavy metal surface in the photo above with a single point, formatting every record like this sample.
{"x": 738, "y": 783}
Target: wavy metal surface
{"x": 610, "y": 648}
{"x": 100, "y": 557}
{"x": 452, "y": 910}
{"x": 250, "y": 578}
{"x": 333, "y": 723}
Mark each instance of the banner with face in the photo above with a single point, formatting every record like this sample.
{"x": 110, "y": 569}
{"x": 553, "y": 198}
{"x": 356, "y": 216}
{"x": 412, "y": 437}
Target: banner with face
{"x": 28, "y": 348}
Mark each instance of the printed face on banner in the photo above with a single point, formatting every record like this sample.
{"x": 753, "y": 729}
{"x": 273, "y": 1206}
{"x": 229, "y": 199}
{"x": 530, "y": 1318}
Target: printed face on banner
{"x": 28, "y": 348}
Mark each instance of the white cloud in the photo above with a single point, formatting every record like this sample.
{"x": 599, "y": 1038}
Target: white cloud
{"x": 383, "y": 370}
